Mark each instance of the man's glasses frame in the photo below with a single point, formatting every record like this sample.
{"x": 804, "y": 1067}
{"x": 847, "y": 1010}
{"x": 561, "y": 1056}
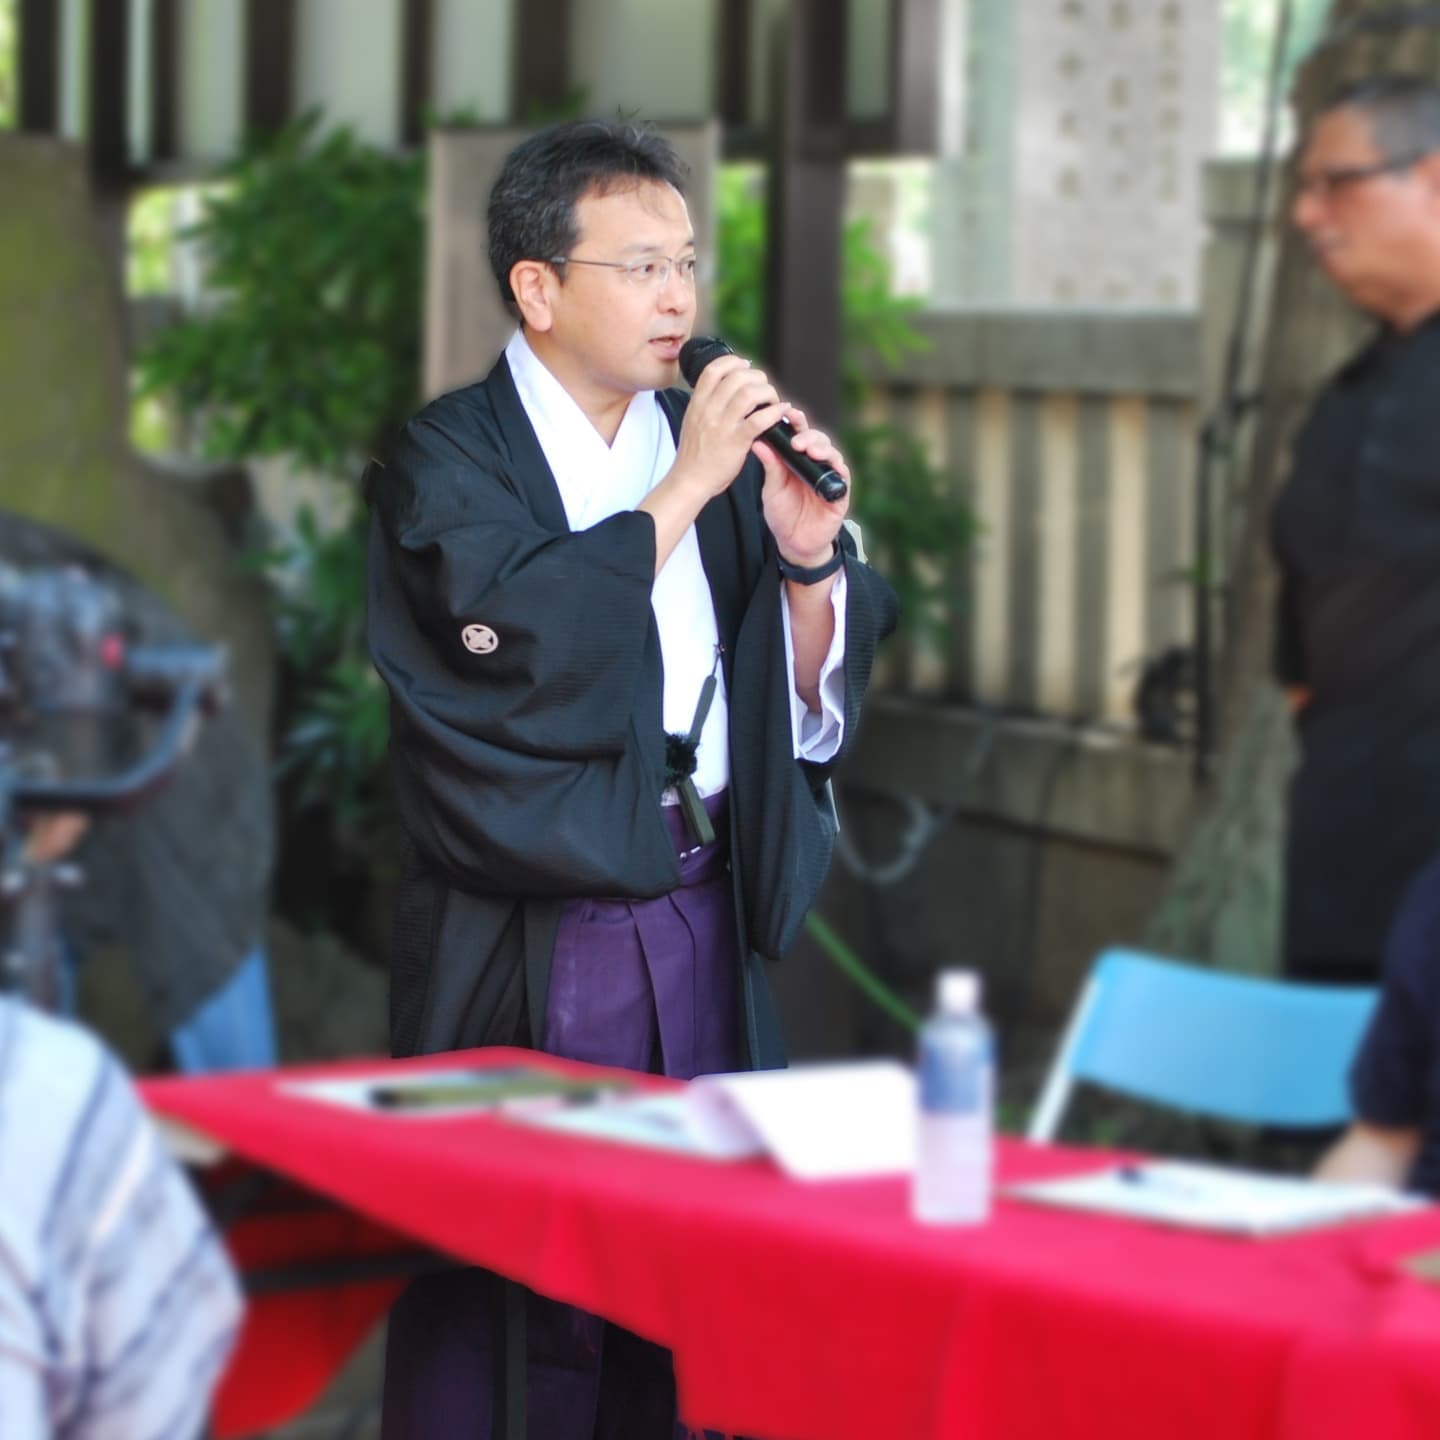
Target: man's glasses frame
{"x": 1324, "y": 183}
{"x": 650, "y": 273}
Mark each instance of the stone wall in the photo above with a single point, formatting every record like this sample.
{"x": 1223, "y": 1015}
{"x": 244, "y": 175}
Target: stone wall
{"x": 1016, "y": 848}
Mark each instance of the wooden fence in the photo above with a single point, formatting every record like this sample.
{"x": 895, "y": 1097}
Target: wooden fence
{"x": 1072, "y": 437}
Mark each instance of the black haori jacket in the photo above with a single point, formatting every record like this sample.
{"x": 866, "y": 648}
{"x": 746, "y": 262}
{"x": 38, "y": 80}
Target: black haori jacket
{"x": 529, "y": 762}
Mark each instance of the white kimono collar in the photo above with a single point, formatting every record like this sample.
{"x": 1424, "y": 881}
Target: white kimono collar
{"x": 595, "y": 480}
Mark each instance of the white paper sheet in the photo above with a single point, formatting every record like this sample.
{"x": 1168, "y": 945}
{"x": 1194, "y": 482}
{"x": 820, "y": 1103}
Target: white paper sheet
{"x": 1212, "y": 1197}
{"x": 819, "y": 1122}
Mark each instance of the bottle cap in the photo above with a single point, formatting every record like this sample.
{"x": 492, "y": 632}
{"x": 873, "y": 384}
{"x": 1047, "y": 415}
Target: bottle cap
{"x": 957, "y": 992}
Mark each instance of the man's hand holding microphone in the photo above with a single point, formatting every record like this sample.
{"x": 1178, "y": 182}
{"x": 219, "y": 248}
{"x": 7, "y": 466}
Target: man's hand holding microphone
{"x": 733, "y": 413}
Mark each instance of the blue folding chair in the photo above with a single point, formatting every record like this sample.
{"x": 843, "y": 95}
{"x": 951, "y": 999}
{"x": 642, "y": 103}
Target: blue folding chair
{"x": 1266, "y": 1052}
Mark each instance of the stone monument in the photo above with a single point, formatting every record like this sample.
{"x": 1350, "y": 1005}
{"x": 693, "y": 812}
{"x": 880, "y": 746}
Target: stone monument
{"x": 1073, "y": 174}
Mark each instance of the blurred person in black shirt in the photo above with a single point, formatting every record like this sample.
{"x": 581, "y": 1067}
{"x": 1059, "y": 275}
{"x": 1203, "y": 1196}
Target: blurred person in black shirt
{"x": 1356, "y": 531}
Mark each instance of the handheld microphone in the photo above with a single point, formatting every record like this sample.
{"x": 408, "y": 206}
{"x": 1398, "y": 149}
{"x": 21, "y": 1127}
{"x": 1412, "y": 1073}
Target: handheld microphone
{"x": 696, "y": 353}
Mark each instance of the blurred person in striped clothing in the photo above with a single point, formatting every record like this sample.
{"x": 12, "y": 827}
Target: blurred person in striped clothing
{"x": 118, "y": 1306}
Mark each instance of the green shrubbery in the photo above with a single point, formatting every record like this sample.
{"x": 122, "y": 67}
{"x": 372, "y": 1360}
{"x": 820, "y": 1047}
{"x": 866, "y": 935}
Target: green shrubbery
{"x": 308, "y": 348}
{"x": 310, "y": 345}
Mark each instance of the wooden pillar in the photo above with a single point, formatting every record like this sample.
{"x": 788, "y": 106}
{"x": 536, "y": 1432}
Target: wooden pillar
{"x": 164, "y": 96}
{"x": 39, "y": 65}
{"x": 735, "y": 25}
{"x": 807, "y": 203}
{"x": 269, "y": 64}
{"x": 417, "y": 69}
{"x": 542, "y": 85}
{"x": 109, "y": 83}
{"x": 914, "y": 104}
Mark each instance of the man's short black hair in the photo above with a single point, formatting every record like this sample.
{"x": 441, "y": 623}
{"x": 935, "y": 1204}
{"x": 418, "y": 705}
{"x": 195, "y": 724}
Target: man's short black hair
{"x": 1403, "y": 112}
{"x": 532, "y": 205}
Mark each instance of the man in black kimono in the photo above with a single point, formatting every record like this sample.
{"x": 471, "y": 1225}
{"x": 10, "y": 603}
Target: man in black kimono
{"x": 625, "y": 647}
{"x": 1357, "y": 534}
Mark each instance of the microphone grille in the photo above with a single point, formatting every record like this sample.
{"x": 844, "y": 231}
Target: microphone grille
{"x": 697, "y": 352}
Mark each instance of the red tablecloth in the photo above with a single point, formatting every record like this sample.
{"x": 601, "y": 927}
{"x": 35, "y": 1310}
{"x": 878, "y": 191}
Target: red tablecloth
{"x": 294, "y": 1341}
{"x": 823, "y": 1313}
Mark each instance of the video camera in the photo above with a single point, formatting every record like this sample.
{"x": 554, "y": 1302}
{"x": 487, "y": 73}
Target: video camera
{"x": 71, "y": 684}
{"x": 64, "y": 650}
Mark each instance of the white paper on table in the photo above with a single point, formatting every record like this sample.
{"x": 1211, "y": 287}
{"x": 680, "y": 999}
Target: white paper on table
{"x": 1213, "y": 1197}
{"x": 818, "y": 1122}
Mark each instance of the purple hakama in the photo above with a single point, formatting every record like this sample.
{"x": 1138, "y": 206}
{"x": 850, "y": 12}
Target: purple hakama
{"x": 648, "y": 985}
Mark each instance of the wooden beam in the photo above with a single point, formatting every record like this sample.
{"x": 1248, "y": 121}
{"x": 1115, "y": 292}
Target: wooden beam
{"x": 39, "y": 61}
{"x": 807, "y": 202}
{"x": 109, "y": 80}
{"x": 270, "y": 33}
{"x": 914, "y": 103}
{"x": 417, "y": 69}
{"x": 541, "y": 61}
{"x": 734, "y": 52}
{"x": 164, "y": 81}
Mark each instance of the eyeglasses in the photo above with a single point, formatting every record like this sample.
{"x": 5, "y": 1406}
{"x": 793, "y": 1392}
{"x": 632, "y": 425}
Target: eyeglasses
{"x": 1323, "y": 183}
{"x": 651, "y": 274}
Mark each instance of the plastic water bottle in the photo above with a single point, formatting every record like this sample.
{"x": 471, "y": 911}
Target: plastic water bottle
{"x": 953, "y": 1161}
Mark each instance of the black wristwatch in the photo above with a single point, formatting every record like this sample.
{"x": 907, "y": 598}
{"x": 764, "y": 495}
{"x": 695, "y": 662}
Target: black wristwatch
{"x": 811, "y": 574}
